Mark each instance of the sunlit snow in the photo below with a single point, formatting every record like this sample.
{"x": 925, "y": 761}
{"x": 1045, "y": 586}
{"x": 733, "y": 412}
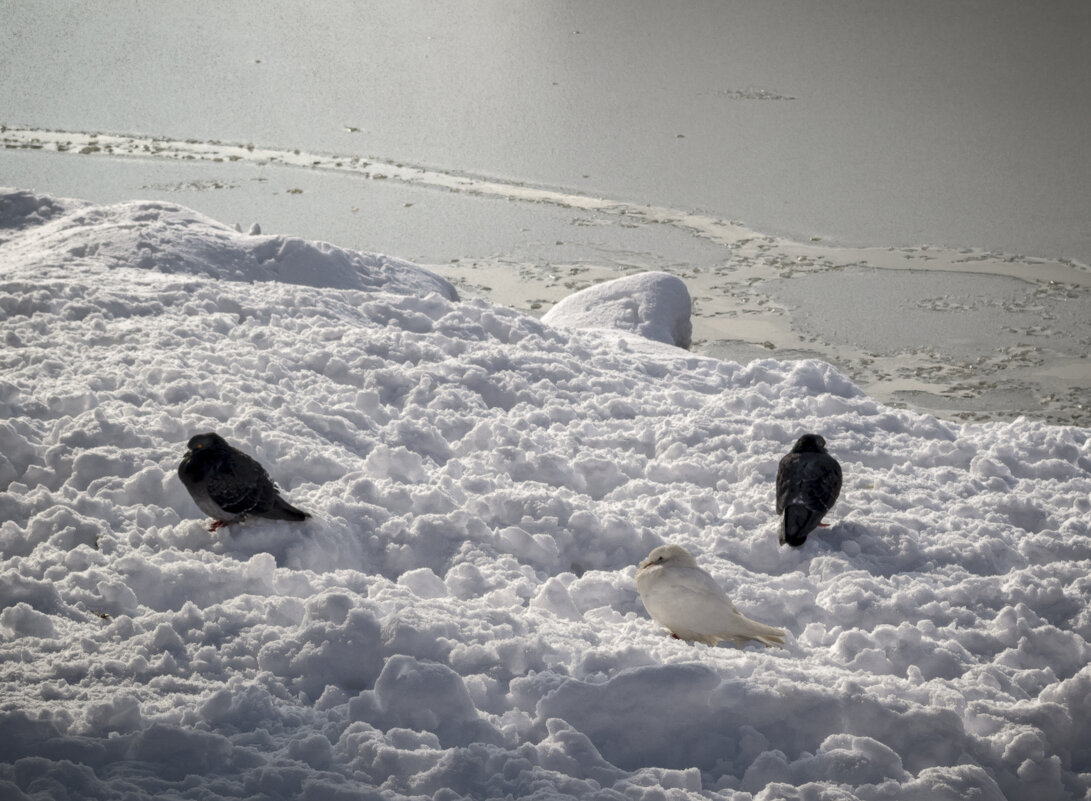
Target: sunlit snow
{"x": 459, "y": 617}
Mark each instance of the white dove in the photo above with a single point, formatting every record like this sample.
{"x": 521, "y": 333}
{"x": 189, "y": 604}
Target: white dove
{"x": 689, "y": 602}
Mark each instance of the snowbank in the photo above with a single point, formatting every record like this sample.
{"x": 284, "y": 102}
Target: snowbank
{"x": 459, "y": 619}
{"x": 59, "y": 235}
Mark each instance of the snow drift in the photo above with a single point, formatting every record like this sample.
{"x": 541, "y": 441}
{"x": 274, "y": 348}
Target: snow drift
{"x": 459, "y": 618}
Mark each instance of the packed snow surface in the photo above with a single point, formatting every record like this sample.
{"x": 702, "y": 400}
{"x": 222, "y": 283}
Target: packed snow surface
{"x": 459, "y": 617}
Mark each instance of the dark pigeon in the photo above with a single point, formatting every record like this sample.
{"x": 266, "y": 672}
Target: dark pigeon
{"x": 228, "y": 485}
{"x": 808, "y": 483}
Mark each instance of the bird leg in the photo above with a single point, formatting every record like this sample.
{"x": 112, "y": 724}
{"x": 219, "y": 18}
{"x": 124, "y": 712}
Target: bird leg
{"x": 217, "y": 524}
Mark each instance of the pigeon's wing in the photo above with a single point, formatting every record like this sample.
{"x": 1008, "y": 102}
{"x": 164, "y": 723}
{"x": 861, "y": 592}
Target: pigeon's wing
{"x": 193, "y": 469}
{"x": 820, "y": 482}
{"x": 787, "y": 483}
{"x": 686, "y": 599}
{"x": 810, "y": 479}
{"x": 694, "y": 607}
{"x": 241, "y": 485}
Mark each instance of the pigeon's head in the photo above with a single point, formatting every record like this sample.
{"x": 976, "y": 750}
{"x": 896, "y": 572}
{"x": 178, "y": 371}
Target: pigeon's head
{"x": 669, "y": 554}
{"x": 810, "y": 443}
{"x": 209, "y": 441}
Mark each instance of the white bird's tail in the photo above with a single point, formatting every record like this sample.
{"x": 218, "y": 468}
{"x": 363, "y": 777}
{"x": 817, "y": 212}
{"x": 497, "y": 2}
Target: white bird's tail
{"x": 752, "y": 630}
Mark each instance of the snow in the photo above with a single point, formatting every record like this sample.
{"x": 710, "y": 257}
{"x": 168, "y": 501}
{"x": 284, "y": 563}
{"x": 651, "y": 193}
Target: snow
{"x": 459, "y": 618}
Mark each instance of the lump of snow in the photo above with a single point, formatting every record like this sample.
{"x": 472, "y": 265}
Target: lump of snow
{"x": 22, "y": 620}
{"x": 425, "y": 696}
{"x": 654, "y": 305}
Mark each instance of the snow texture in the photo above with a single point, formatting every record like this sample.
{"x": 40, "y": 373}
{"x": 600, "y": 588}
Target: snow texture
{"x": 459, "y": 617}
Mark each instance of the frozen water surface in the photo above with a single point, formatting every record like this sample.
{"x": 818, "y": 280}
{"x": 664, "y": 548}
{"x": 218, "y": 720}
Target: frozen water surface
{"x": 961, "y": 125}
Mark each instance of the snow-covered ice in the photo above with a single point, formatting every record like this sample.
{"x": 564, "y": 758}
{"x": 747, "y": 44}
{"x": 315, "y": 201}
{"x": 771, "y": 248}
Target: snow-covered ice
{"x": 459, "y": 617}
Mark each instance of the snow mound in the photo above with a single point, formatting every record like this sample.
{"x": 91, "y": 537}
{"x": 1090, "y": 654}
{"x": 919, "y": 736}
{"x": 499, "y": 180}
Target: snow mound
{"x": 654, "y": 305}
{"x": 459, "y": 619}
{"x": 53, "y": 236}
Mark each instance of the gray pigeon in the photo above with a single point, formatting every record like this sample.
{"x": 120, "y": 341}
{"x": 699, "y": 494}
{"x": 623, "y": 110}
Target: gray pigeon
{"x": 228, "y": 485}
{"x": 808, "y": 483}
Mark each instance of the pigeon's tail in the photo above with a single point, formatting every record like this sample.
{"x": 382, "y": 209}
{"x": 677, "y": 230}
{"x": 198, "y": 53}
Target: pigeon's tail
{"x": 799, "y": 521}
{"x": 282, "y": 510}
{"x": 752, "y": 630}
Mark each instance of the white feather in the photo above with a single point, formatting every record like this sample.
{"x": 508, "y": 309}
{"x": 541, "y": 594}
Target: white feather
{"x": 688, "y": 601}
